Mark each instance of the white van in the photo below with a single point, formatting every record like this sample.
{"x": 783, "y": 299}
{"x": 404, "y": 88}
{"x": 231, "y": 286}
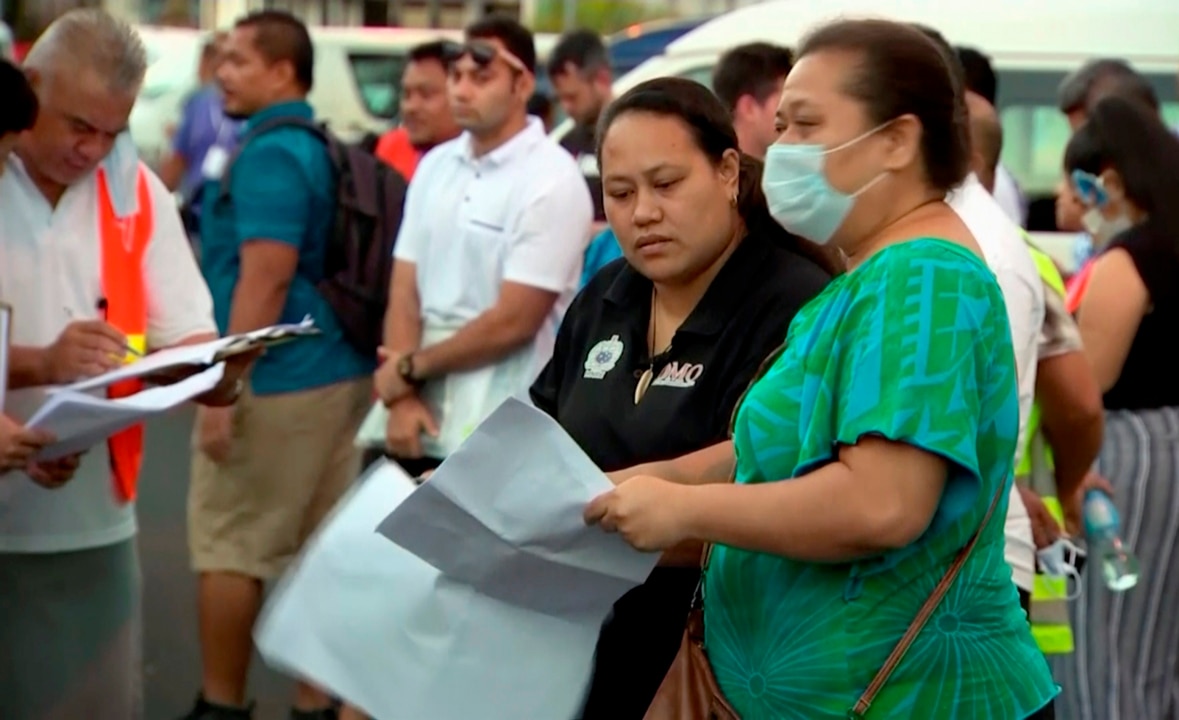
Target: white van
{"x": 7, "y": 51}
{"x": 356, "y": 91}
{"x": 1033, "y": 45}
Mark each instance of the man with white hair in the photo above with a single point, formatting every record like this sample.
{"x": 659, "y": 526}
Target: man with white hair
{"x": 94, "y": 259}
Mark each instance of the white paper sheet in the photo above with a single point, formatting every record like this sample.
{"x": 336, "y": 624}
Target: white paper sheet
{"x": 504, "y": 515}
{"x": 392, "y": 635}
{"x": 371, "y": 433}
{"x": 190, "y": 355}
{"x": 80, "y": 421}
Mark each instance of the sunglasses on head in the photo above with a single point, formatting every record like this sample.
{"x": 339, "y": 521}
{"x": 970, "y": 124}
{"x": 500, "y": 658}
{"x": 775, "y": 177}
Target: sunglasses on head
{"x": 1089, "y": 188}
{"x": 482, "y": 53}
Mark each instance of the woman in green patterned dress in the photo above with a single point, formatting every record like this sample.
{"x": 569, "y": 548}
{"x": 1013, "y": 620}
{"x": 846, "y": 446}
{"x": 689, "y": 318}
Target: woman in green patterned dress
{"x": 869, "y": 453}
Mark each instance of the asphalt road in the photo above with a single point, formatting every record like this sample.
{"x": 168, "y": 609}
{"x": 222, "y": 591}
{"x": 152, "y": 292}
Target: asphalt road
{"x": 171, "y": 653}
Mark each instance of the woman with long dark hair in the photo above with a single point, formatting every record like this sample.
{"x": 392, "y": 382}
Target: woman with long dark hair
{"x": 1125, "y": 166}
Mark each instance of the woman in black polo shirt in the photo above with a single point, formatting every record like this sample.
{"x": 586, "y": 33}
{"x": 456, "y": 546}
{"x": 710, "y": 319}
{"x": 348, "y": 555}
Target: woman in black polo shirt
{"x": 655, "y": 352}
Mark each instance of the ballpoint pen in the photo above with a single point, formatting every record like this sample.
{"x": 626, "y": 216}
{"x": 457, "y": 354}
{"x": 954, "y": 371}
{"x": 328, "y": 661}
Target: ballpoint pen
{"x": 101, "y": 307}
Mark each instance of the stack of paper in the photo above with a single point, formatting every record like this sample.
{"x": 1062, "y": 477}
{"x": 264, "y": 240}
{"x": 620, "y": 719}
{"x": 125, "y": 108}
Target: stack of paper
{"x": 80, "y": 420}
{"x": 499, "y": 616}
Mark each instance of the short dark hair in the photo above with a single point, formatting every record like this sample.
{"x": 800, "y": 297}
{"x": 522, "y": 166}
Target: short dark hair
{"x": 711, "y": 127}
{"x": 1084, "y": 87}
{"x": 211, "y": 45}
{"x": 988, "y": 139}
{"x": 281, "y": 37}
{"x": 435, "y": 50}
{"x": 19, "y": 101}
{"x": 980, "y": 74}
{"x": 540, "y": 105}
{"x": 516, "y": 38}
{"x": 903, "y": 72}
{"x": 1125, "y": 135}
{"x": 583, "y": 49}
{"x": 756, "y": 69}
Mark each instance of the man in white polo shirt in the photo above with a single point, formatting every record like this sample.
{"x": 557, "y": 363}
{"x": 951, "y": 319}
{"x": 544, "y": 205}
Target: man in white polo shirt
{"x": 490, "y": 251}
{"x": 1006, "y": 253}
{"x": 93, "y": 258}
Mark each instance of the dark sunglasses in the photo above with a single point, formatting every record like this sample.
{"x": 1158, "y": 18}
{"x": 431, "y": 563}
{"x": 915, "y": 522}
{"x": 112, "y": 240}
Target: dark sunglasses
{"x": 482, "y": 53}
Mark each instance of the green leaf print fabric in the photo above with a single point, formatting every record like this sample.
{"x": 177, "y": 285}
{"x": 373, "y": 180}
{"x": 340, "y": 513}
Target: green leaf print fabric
{"x": 913, "y": 346}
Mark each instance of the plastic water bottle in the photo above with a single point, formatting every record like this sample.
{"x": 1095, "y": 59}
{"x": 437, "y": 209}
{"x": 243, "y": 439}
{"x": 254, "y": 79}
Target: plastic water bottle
{"x": 1119, "y": 567}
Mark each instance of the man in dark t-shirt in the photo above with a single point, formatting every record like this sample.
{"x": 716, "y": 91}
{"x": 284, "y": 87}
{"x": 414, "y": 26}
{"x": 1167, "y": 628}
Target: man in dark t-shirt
{"x": 579, "y": 68}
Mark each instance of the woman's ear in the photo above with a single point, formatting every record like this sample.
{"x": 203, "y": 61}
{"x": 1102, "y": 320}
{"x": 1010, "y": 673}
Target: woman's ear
{"x": 730, "y": 170}
{"x": 1112, "y": 183}
{"x": 904, "y": 142}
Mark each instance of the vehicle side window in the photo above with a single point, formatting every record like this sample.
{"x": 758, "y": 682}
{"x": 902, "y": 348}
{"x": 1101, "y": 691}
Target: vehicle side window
{"x": 1035, "y": 132}
{"x": 701, "y": 74}
{"x": 378, "y": 81}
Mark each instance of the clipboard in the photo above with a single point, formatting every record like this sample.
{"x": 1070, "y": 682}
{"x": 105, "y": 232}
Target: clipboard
{"x": 173, "y": 364}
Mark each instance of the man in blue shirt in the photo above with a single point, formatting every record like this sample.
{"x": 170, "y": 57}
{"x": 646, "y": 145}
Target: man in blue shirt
{"x": 266, "y": 472}
{"x": 203, "y": 127}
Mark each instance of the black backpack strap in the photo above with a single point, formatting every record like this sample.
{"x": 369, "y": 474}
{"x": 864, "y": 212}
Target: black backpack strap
{"x": 317, "y": 129}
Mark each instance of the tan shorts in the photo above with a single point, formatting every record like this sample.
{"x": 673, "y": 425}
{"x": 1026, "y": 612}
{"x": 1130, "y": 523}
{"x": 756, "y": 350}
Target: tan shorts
{"x": 292, "y": 458}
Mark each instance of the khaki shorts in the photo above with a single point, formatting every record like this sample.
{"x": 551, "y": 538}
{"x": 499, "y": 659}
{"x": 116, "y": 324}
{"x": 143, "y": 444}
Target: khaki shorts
{"x": 292, "y": 458}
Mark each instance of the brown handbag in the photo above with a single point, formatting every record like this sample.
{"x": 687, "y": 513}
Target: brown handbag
{"x": 690, "y": 691}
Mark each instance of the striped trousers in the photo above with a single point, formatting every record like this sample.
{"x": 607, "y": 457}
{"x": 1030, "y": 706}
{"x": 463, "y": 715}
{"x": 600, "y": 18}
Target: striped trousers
{"x": 1126, "y": 664}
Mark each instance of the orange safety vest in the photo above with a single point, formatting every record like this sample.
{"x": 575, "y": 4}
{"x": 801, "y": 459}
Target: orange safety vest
{"x": 124, "y": 243}
{"x": 396, "y": 151}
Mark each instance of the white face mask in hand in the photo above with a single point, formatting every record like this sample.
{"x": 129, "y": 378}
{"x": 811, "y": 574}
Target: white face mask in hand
{"x": 1103, "y": 230}
{"x": 1059, "y": 561}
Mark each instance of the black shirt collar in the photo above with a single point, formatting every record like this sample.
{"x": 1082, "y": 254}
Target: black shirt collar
{"x": 631, "y": 292}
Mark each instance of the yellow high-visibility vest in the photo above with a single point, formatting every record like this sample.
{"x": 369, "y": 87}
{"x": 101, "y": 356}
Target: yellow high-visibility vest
{"x": 1036, "y": 471}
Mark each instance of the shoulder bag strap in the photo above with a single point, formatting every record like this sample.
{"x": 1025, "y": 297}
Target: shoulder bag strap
{"x": 923, "y": 615}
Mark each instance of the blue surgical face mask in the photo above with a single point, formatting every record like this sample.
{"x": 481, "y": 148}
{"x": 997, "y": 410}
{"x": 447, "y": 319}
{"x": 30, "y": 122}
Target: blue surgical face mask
{"x": 122, "y": 175}
{"x": 799, "y": 196}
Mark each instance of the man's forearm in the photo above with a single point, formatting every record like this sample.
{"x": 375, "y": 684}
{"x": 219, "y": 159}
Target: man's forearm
{"x": 484, "y": 341}
{"x": 403, "y": 329}
{"x": 1074, "y": 448}
{"x": 256, "y": 304}
{"x": 1072, "y": 417}
{"x": 27, "y": 367}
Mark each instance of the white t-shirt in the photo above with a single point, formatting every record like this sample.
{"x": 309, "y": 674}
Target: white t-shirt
{"x": 1006, "y": 253}
{"x": 49, "y": 272}
{"x": 1010, "y": 197}
{"x": 520, "y": 213}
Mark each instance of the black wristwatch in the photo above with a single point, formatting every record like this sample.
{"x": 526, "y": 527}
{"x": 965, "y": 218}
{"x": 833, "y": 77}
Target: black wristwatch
{"x": 405, "y": 370}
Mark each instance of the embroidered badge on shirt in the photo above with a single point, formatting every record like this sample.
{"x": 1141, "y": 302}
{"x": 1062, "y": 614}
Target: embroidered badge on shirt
{"x": 603, "y": 357}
